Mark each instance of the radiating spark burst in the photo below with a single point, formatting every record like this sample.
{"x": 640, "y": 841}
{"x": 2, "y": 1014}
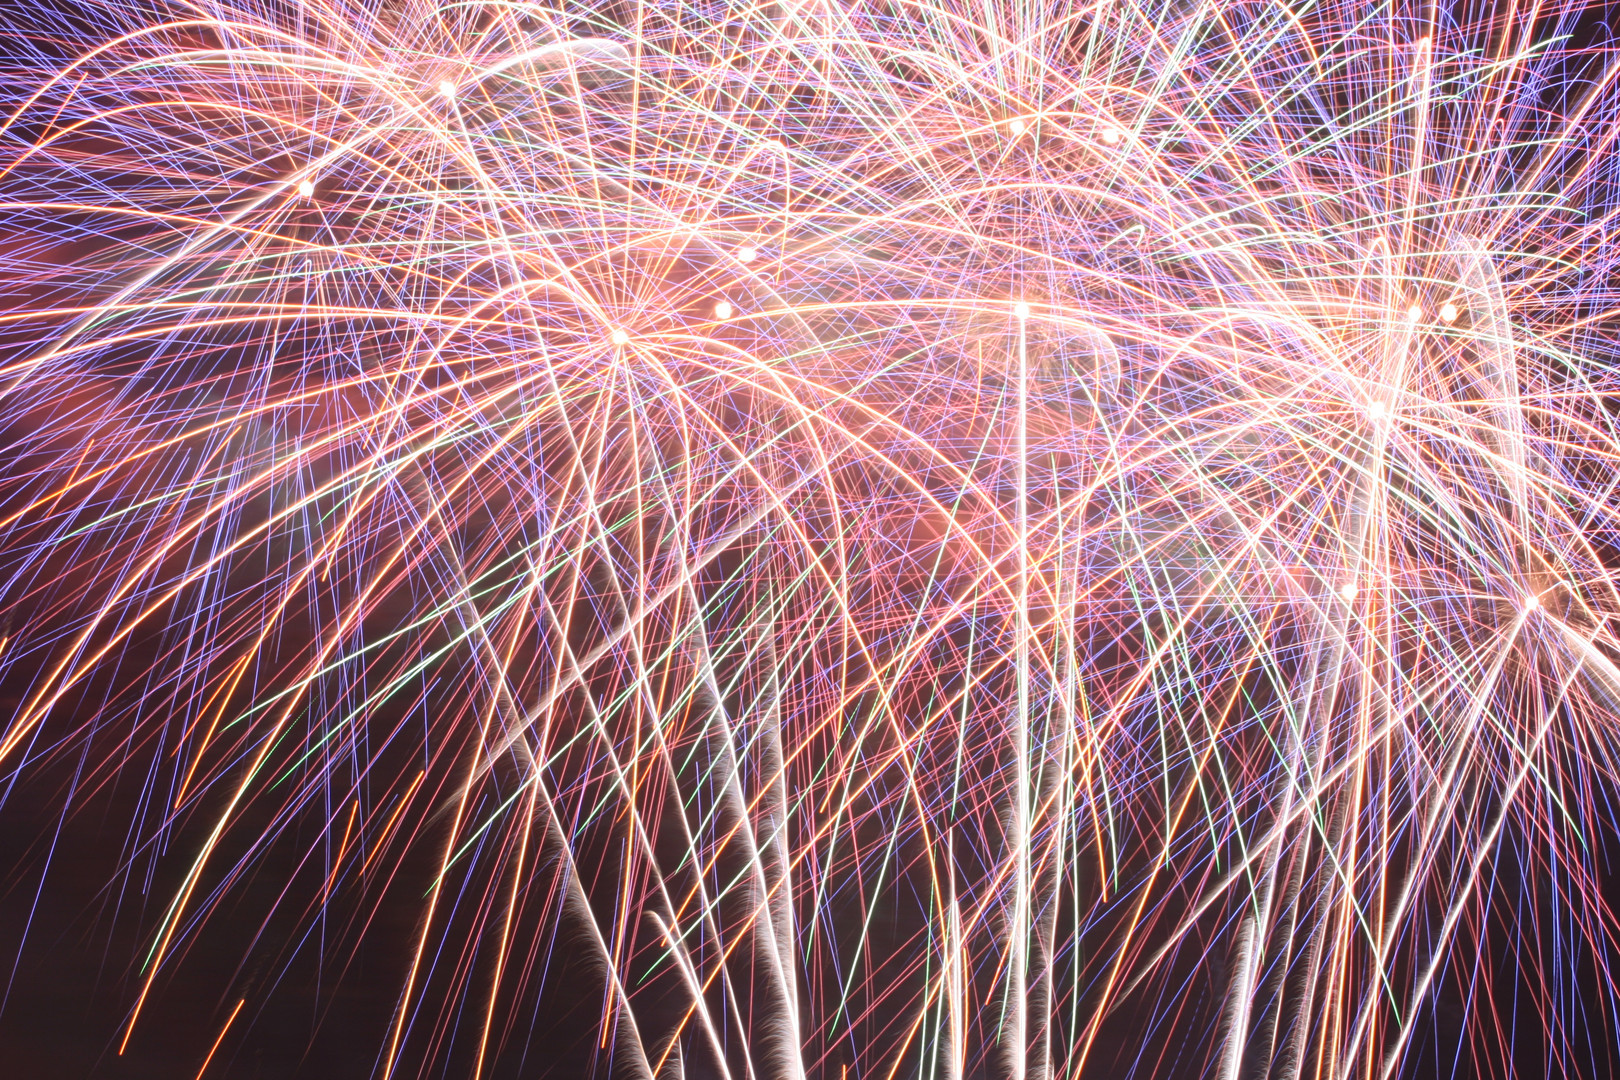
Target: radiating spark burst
{"x": 860, "y": 539}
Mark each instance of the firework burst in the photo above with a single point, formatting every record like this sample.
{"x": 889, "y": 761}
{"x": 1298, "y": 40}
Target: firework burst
{"x": 828, "y": 540}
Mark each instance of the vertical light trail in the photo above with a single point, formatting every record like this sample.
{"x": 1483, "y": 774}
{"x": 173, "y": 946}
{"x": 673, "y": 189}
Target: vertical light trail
{"x": 1016, "y": 1032}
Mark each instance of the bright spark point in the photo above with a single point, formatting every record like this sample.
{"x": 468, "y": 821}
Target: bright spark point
{"x": 746, "y": 254}
{"x": 306, "y": 188}
{"x": 1414, "y": 313}
{"x": 619, "y": 337}
{"x": 1531, "y": 603}
{"x": 1377, "y": 410}
{"x": 722, "y": 310}
{"x": 1448, "y": 313}
{"x": 1112, "y": 135}
{"x": 1018, "y": 127}
{"x": 1021, "y": 310}
{"x": 1348, "y": 590}
{"x": 447, "y": 88}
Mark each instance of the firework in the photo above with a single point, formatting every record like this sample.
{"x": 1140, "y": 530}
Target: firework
{"x": 829, "y": 540}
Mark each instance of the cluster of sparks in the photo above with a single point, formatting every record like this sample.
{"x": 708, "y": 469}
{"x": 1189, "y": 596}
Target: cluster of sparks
{"x": 939, "y": 539}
